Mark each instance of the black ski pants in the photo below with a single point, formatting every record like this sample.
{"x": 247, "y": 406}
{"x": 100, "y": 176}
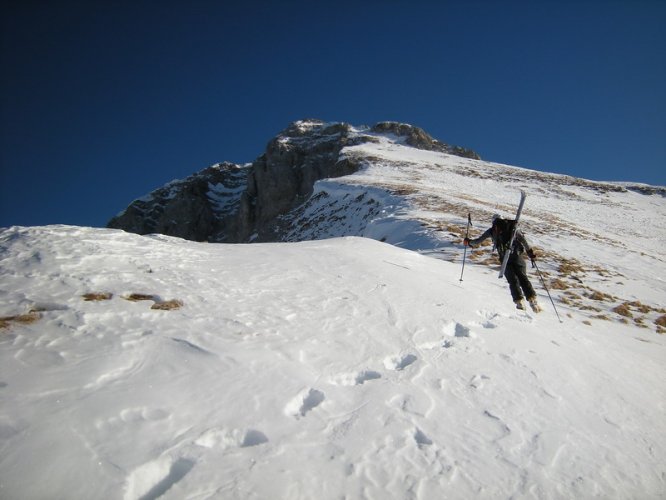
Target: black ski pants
{"x": 516, "y": 275}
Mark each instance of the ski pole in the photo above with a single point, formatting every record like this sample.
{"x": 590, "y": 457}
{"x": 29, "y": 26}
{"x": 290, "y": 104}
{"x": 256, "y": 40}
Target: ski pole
{"x": 544, "y": 285}
{"x": 469, "y": 223}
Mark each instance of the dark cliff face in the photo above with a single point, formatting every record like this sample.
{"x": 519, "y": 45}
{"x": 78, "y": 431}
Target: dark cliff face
{"x": 202, "y": 207}
{"x": 284, "y": 176}
{"x": 233, "y": 204}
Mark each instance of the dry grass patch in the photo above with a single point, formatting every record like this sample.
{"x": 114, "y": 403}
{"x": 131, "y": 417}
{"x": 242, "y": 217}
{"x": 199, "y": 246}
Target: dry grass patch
{"x": 96, "y": 296}
{"x": 558, "y": 284}
{"x": 623, "y": 310}
{"x": 605, "y": 272}
{"x": 584, "y": 307}
{"x": 168, "y": 305}
{"x": 137, "y": 297}
{"x": 487, "y": 260}
{"x": 599, "y": 296}
{"x": 570, "y": 266}
{"x": 661, "y": 322}
{"x": 160, "y": 305}
{"x": 456, "y": 230}
{"x": 642, "y": 308}
{"x": 565, "y": 300}
{"x": 23, "y": 319}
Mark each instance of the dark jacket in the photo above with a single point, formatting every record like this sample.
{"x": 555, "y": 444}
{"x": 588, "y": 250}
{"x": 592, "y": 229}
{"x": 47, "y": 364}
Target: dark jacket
{"x": 520, "y": 245}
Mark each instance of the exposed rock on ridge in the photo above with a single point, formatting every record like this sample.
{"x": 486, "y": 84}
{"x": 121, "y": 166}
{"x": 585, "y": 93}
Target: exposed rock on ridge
{"x": 419, "y": 139}
{"x": 232, "y": 203}
{"x": 198, "y": 208}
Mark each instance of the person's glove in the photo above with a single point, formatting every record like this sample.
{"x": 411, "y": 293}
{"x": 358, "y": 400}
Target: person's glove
{"x": 466, "y": 242}
{"x": 531, "y": 255}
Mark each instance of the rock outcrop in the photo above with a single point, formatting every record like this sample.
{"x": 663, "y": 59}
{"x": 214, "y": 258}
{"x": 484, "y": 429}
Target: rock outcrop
{"x": 418, "y": 138}
{"x": 233, "y": 203}
{"x": 202, "y": 207}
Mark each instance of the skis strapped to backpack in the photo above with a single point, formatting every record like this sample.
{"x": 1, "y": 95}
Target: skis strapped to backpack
{"x": 507, "y": 252}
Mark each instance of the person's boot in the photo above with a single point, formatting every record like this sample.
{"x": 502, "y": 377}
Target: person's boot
{"x": 534, "y": 305}
{"x": 519, "y": 304}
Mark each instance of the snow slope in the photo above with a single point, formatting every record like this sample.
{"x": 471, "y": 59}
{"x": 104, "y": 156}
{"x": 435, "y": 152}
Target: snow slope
{"x": 340, "y": 368}
{"x": 600, "y": 244}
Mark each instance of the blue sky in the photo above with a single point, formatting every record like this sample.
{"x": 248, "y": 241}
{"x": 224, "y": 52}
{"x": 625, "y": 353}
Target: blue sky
{"x": 104, "y": 101}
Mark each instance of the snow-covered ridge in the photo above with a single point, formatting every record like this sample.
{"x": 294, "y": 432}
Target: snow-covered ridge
{"x": 335, "y": 368}
{"x": 571, "y": 222}
{"x": 394, "y": 183}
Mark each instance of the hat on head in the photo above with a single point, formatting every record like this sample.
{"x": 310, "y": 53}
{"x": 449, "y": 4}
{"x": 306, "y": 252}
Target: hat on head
{"x": 496, "y": 216}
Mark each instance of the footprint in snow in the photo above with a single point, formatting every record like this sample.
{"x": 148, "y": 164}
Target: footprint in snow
{"x": 235, "y": 438}
{"x": 504, "y": 429}
{"x": 454, "y": 329}
{"x": 478, "y": 381}
{"x": 153, "y": 479}
{"x": 367, "y": 375}
{"x": 133, "y": 416}
{"x": 490, "y": 319}
{"x": 488, "y": 315}
{"x": 421, "y": 439}
{"x": 399, "y": 363}
{"x": 446, "y": 344}
{"x": 359, "y": 378}
{"x": 462, "y": 331}
{"x": 304, "y": 403}
{"x": 253, "y": 438}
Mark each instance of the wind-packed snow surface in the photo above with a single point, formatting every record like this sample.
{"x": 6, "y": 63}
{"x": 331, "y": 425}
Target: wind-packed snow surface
{"x": 340, "y": 368}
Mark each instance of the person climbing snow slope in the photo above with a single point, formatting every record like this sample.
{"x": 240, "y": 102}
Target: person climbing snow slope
{"x": 516, "y": 269}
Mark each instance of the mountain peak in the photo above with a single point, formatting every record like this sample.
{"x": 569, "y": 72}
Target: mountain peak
{"x": 234, "y": 203}
{"x": 420, "y": 139}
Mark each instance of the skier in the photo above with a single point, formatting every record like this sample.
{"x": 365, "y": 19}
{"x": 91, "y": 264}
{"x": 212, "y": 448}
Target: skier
{"x": 516, "y": 270}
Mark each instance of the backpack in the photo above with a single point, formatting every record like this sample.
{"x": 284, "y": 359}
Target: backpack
{"x": 502, "y": 230}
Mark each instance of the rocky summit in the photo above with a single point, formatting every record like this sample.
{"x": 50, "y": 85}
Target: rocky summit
{"x": 257, "y": 202}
